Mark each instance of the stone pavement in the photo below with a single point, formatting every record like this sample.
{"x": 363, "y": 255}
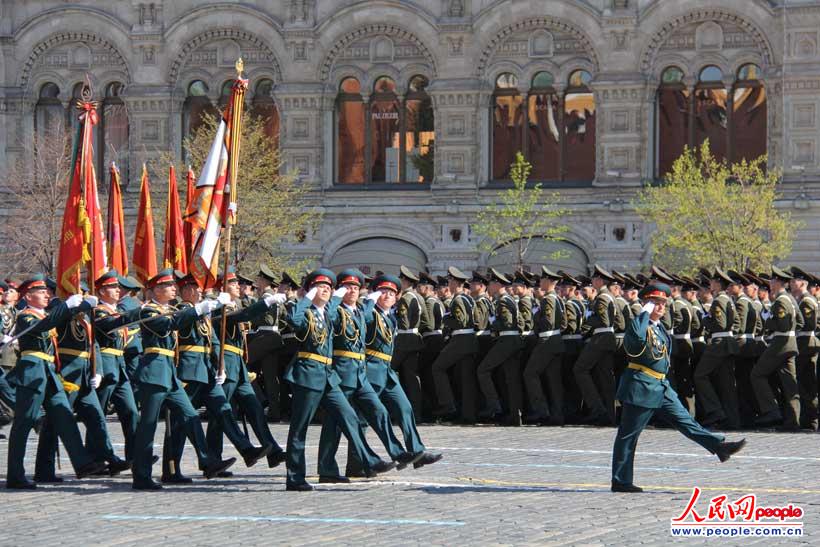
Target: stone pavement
{"x": 546, "y": 486}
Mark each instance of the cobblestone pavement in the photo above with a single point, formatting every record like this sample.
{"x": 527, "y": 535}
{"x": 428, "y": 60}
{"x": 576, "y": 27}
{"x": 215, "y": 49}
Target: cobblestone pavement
{"x": 546, "y": 486}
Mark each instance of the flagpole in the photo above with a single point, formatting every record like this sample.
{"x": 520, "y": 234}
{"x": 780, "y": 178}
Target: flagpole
{"x": 92, "y": 267}
{"x": 238, "y": 102}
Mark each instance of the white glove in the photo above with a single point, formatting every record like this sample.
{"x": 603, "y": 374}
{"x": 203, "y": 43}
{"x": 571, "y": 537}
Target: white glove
{"x": 224, "y": 298}
{"x": 587, "y": 314}
{"x": 765, "y": 315}
{"x": 91, "y": 300}
{"x": 206, "y": 307}
{"x": 271, "y": 299}
{"x": 492, "y": 319}
{"x": 311, "y": 293}
{"x": 220, "y": 378}
{"x": 232, "y": 207}
{"x": 536, "y": 309}
{"x": 96, "y": 380}
{"x": 73, "y": 301}
{"x": 648, "y": 307}
{"x": 375, "y": 295}
{"x": 340, "y": 292}
{"x": 6, "y": 339}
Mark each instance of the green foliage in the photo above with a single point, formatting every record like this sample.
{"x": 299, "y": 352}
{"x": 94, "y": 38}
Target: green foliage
{"x": 711, "y": 213}
{"x": 520, "y": 215}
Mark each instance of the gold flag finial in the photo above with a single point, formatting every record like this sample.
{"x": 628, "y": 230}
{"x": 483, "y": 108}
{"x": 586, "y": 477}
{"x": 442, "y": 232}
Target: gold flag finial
{"x": 240, "y": 66}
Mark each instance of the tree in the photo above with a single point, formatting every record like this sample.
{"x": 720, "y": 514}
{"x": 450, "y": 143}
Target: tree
{"x": 520, "y": 215}
{"x": 712, "y": 213}
{"x": 36, "y": 187}
{"x": 272, "y": 206}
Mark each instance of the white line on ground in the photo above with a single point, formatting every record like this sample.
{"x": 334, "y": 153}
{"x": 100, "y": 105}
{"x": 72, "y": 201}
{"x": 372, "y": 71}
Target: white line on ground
{"x": 284, "y": 518}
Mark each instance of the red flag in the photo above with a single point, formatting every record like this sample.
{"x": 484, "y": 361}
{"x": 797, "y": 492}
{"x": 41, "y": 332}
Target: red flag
{"x": 82, "y": 240}
{"x": 117, "y": 249}
{"x": 174, "y": 255}
{"x": 145, "y": 248}
{"x": 218, "y": 178}
{"x": 190, "y": 213}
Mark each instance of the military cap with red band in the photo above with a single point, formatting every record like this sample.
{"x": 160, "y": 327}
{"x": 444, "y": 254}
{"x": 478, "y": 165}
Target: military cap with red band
{"x": 109, "y": 279}
{"x": 322, "y": 275}
{"x": 655, "y": 290}
{"x": 34, "y": 283}
{"x": 386, "y": 282}
{"x": 165, "y": 277}
{"x": 351, "y": 276}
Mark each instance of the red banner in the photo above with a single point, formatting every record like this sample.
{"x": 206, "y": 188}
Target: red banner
{"x": 115, "y": 233}
{"x": 174, "y": 255}
{"x": 145, "y": 248}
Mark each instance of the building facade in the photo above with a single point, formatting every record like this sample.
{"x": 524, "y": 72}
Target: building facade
{"x": 403, "y": 115}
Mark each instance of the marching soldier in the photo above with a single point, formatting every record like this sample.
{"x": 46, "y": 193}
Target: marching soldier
{"x": 717, "y": 363}
{"x": 433, "y": 340}
{"x": 265, "y": 344}
{"x": 411, "y": 314}
{"x": 597, "y": 355}
{"x": 807, "y": 347}
{"x": 314, "y": 382}
{"x": 616, "y": 290}
{"x": 159, "y": 384}
{"x": 504, "y": 354}
{"x": 779, "y": 357}
{"x": 523, "y": 292}
{"x": 36, "y": 377}
{"x": 644, "y": 391}
{"x": 8, "y": 356}
{"x": 546, "y": 358}
{"x": 575, "y": 309}
{"x": 747, "y": 347}
{"x": 132, "y": 351}
{"x": 287, "y": 287}
{"x": 459, "y": 351}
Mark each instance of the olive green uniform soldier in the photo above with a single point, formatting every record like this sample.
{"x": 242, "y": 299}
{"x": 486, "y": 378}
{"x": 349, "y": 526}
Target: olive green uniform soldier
{"x": 575, "y": 309}
{"x": 547, "y": 356}
{"x": 265, "y": 345}
{"x": 782, "y": 321}
{"x": 681, "y": 372}
{"x": 411, "y": 314}
{"x": 747, "y": 347}
{"x": 807, "y": 347}
{"x": 433, "y": 341}
{"x": 526, "y": 312}
{"x": 597, "y": 356}
{"x": 459, "y": 351}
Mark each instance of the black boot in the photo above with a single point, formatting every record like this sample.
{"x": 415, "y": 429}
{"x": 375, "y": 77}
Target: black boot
{"x": 726, "y": 450}
{"x": 625, "y": 488}
{"x": 214, "y": 469}
{"x": 255, "y": 453}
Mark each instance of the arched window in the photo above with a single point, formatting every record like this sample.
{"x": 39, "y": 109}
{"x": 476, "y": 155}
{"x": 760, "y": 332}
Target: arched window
{"x": 508, "y": 121}
{"x": 558, "y": 138}
{"x": 197, "y": 105}
{"x": 735, "y": 123}
{"x": 387, "y": 139}
{"x": 225, "y": 93}
{"x": 711, "y": 113}
{"x": 114, "y": 132}
{"x": 579, "y": 125}
{"x": 263, "y": 107}
{"x": 749, "y": 115}
{"x": 673, "y": 113}
{"x": 49, "y": 116}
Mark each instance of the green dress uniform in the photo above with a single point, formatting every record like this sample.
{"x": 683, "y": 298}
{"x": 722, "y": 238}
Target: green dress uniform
{"x": 619, "y": 358}
{"x": 237, "y": 386}
{"x": 8, "y": 357}
{"x": 314, "y": 382}
{"x": 779, "y": 357}
{"x": 681, "y": 373}
{"x": 159, "y": 385}
{"x": 504, "y": 354}
{"x": 597, "y": 357}
{"x": 116, "y": 384}
{"x": 546, "y": 359}
{"x": 38, "y": 384}
{"x": 573, "y": 339}
{"x": 459, "y": 351}
{"x": 807, "y": 347}
{"x": 433, "y": 344}
{"x": 74, "y": 351}
{"x": 349, "y": 330}
{"x": 717, "y": 362}
{"x": 644, "y": 391}
{"x": 411, "y": 315}
{"x": 747, "y": 355}
{"x": 132, "y": 350}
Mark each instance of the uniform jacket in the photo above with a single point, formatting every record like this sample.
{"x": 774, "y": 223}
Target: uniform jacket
{"x": 314, "y": 336}
{"x": 381, "y": 332}
{"x": 650, "y": 346}
{"x": 158, "y": 368}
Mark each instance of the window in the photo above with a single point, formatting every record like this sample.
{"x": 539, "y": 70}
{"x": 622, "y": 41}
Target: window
{"x": 113, "y": 123}
{"x": 387, "y": 139}
{"x": 49, "y": 116}
{"x": 734, "y": 120}
{"x": 556, "y": 133}
{"x": 197, "y": 105}
{"x": 262, "y": 106}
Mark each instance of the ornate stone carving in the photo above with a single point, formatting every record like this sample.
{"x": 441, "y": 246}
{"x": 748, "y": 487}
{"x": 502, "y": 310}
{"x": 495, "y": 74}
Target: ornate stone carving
{"x": 91, "y": 50}
{"x": 709, "y": 36}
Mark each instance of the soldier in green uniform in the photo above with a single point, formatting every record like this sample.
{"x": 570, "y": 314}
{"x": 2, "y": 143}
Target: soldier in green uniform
{"x": 265, "y": 344}
{"x": 600, "y": 325}
{"x": 616, "y": 290}
{"x": 575, "y": 309}
{"x": 315, "y": 382}
{"x": 432, "y": 340}
{"x": 483, "y": 310}
{"x": 717, "y": 363}
{"x": 159, "y": 384}
{"x": 547, "y": 356}
{"x": 807, "y": 347}
{"x": 522, "y": 289}
{"x": 8, "y": 357}
{"x": 349, "y": 330}
{"x": 644, "y": 391}
{"x": 506, "y": 325}
{"x": 681, "y": 372}
{"x": 36, "y": 377}
{"x": 132, "y": 351}
{"x": 287, "y": 287}
{"x": 783, "y": 321}
{"x": 747, "y": 347}
{"x": 235, "y": 381}
{"x": 116, "y": 385}
{"x": 411, "y": 314}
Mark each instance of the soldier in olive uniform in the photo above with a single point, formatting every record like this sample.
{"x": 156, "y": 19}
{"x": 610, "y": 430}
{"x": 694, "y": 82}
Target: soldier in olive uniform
{"x": 132, "y": 351}
{"x": 504, "y": 354}
{"x": 287, "y": 287}
{"x": 411, "y": 314}
{"x": 459, "y": 351}
{"x": 523, "y": 292}
{"x": 782, "y": 321}
{"x": 547, "y": 357}
{"x": 747, "y": 354}
{"x": 717, "y": 363}
{"x": 597, "y": 356}
{"x": 575, "y": 309}
{"x": 433, "y": 341}
{"x": 8, "y": 357}
{"x": 683, "y": 320}
{"x": 265, "y": 344}
{"x": 807, "y": 347}
{"x": 645, "y": 391}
